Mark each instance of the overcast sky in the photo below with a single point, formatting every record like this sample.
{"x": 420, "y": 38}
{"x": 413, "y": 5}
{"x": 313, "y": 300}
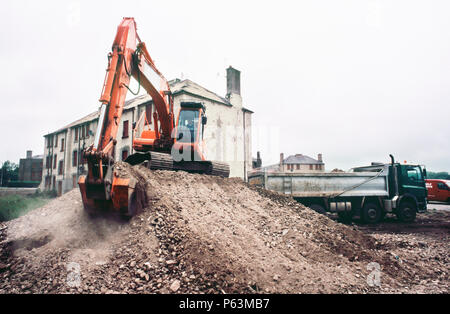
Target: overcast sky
{"x": 353, "y": 80}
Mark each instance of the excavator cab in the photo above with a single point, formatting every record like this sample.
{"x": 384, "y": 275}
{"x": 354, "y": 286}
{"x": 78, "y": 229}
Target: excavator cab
{"x": 189, "y": 145}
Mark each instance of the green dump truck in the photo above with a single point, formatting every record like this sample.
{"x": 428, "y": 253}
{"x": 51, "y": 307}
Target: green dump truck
{"x": 369, "y": 192}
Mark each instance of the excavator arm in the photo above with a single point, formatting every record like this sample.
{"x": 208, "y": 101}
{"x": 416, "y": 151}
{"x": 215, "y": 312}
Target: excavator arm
{"x": 129, "y": 58}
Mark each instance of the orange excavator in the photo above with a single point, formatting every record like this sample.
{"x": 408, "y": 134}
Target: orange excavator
{"x": 169, "y": 145}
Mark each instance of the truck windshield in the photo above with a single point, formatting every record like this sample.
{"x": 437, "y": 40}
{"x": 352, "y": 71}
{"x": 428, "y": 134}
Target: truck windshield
{"x": 414, "y": 174}
{"x": 188, "y": 126}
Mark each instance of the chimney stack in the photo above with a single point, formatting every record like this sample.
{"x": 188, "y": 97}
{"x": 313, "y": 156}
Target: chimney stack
{"x": 233, "y": 81}
{"x": 234, "y": 87}
{"x": 258, "y": 160}
{"x": 281, "y": 159}
{"x": 319, "y": 157}
{"x": 29, "y": 154}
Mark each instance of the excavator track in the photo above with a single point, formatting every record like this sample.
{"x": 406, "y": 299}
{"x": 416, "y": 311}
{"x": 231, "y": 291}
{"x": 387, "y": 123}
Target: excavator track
{"x": 220, "y": 169}
{"x": 164, "y": 161}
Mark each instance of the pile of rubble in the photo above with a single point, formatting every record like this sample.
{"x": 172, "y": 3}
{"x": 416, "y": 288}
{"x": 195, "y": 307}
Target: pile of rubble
{"x": 198, "y": 234}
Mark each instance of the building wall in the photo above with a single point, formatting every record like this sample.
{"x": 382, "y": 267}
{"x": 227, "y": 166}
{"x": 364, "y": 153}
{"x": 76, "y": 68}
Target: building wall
{"x": 63, "y": 181}
{"x": 30, "y": 169}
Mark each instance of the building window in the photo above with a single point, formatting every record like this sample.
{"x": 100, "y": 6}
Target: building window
{"x": 87, "y": 130}
{"x": 62, "y": 144}
{"x": 54, "y": 161}
{"x": 54, "y": 182}
{"x": 311, "y": 167}
{"x": 56, "y": 141}
{"x": 124, "y": 154}
{"x": 75, "y": 158}
{"x": 125, "y": 129}
{"x": 76, "y": 134}
{"x": 49, "y": 141}
{"x": 61, "y": 167}
{"x": 298, "y": 167}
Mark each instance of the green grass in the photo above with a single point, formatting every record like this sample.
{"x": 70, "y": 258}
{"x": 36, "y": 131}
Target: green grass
{"x": 14, "y": 206}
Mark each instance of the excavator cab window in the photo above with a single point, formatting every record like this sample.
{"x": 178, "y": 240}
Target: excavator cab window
{"x": 188, "y": 123}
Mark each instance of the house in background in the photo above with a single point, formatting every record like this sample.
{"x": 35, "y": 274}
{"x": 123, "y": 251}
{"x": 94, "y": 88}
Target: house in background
{"x": 297, "y": 163}
{"x": 301, "y": 163}
{"x": 227, "y": 134}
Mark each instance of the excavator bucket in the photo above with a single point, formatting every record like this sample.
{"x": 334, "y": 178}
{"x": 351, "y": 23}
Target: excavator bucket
{"x": 123, "y": 200}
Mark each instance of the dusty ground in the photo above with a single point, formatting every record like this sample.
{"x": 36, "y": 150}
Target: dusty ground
{"x": 202, "y": 234}
{"x": 424, "y": 243}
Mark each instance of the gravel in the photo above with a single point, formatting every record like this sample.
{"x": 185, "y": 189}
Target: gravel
{"x": 203, "y": 234}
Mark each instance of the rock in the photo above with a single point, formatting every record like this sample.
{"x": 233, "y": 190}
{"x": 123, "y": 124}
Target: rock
{"x": 148, "y": 265}
{"x": 175, "y": 285}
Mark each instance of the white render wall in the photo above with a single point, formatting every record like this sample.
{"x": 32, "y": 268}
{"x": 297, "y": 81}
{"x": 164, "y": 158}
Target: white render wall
{"x": 66, "y": 178}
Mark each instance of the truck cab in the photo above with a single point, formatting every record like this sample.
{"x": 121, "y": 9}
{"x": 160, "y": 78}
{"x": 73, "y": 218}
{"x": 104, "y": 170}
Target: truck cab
{"x": 411, "y": 185}
{"x": 407, "y": 193}
{"x": 438, "y": 190}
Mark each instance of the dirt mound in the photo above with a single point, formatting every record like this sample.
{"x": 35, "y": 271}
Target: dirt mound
{"x": 197, "y": 234}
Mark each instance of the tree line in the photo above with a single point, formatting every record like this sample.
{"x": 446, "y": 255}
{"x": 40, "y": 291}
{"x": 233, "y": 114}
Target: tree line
{"x": 9, "y": 172}
{"x": 438, "y": 175}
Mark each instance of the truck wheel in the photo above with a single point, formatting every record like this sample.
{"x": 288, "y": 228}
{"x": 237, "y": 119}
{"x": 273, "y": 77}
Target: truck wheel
{"x": 407, "y": 212}
{"x": 318, "y": 208}
{"x": 371, "y": 213}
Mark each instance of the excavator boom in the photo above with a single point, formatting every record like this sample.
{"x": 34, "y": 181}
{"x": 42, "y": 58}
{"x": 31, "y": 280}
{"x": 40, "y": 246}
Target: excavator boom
{"x": 102, "y": 188}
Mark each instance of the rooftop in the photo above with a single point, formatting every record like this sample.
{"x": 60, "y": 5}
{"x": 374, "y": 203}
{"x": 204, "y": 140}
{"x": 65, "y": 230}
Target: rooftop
{"x": 301, "y": 159}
